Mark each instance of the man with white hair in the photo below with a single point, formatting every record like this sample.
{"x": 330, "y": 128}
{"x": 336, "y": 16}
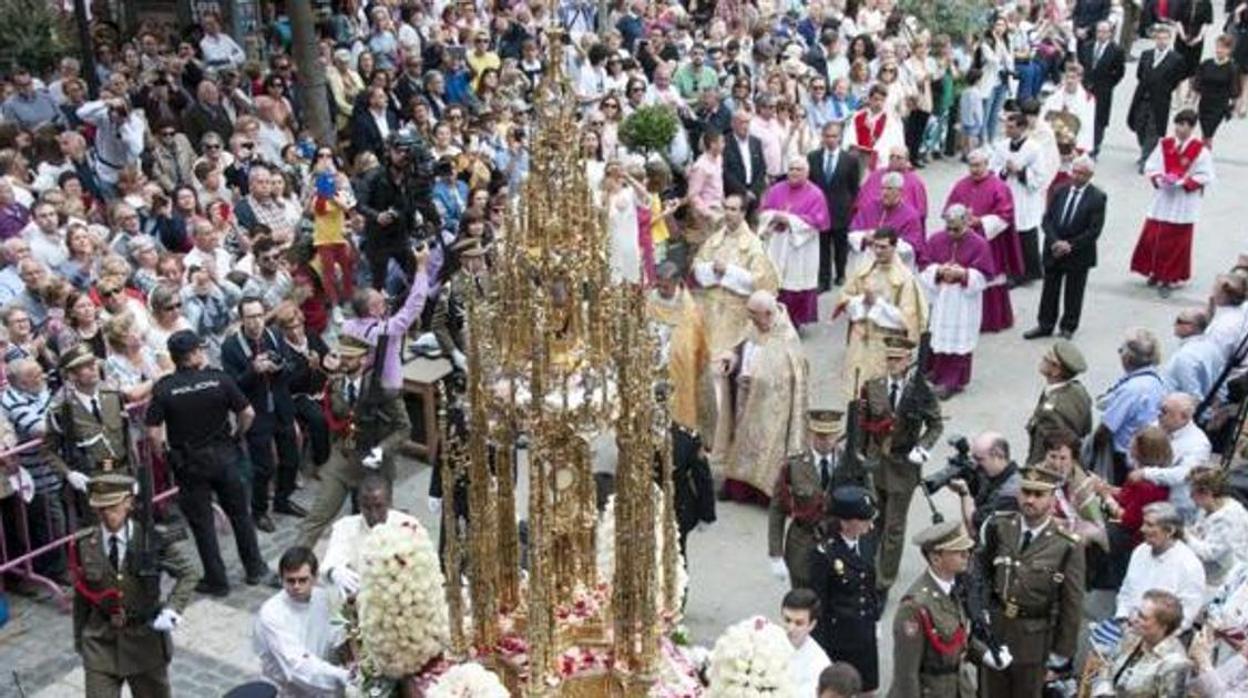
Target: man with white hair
{"x": 1131, "y": 403}
{"x": 792, "y": 214}
{"x": 913, "y": 190}
{"x": 1190, "y": 447}
{"x": 761, "y": 390}
{"x": 11, "y": 286}
{"x": 1072, "y": 225}
{"x": 1162, "y": 561}
{"x": 991, "y": 206}
{"x": 958, "y": 266}
{"x": 890, "y": 210}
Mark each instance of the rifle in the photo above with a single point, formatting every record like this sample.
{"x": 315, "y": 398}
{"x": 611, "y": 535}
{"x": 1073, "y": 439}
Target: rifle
{"x": 852, "y": 460}
{"x": 145, "y": 510}
{"x": 973, "y": 594}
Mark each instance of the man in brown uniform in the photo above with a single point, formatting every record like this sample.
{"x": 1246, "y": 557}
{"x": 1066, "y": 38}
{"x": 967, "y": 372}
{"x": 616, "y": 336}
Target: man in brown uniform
{"x": 86, "y": 426}
{"x": 1034, "y": 569}
{"x": 931, "y": 632}
{"x": 901, "y": 422}
{"x": 121, "y": 627}
{"x": 1064, "y": 405}
{"x": 800, "y": 497}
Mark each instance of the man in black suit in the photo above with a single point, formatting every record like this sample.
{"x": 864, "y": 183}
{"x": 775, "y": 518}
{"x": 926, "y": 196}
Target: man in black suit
{"x": 1085, "y": 17}
{"x": 837, "y": 175}
{"x": 1104, "y": 64}
{"x": 1072, "y": 223}
{"x": 366, "y": 123}
{"x": 1161, "y": 70}
{"x": 745, "y": 171}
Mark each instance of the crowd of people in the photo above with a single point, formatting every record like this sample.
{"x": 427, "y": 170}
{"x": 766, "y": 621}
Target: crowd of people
{"x": 178, "y": 244}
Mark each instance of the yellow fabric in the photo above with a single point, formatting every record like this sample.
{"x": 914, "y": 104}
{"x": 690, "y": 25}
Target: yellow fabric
{"x": 864, "y": 356}
{"x": 726, "y": 317}
{"x": 688, "y": 356}
{"x": 658, "y": 225}
{"x": 329, "y": 228}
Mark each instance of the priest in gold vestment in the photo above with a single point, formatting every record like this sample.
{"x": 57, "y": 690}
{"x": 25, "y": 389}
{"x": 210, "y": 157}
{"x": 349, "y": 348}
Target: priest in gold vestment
{"x": 762, "y": 402}
{"x": 731, "y": 265}
{"x": 882, "y": 298}
{"x": 685, "y": 355}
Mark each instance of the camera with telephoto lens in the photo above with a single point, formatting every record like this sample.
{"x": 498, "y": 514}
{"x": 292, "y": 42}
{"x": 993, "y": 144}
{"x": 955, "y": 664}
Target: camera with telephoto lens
{"x": 959, "y": 465}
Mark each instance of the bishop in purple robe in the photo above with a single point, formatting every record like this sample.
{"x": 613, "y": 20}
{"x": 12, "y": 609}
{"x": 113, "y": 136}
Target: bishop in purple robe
{"x": 959, "y": 265}
{"x": 991, "y": 207}
{"x": 889, "y": 210}
{"x": 913, "y": 190}
{"x": 791, "y": 216}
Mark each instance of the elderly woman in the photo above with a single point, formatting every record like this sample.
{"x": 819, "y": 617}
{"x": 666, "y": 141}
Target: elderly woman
{"x": 1220, "y": 535}
{"x": 24, "y": 341}
{"x": 132, "y": 365}
{"x": 1150, "y": 662}
{"x": 82, "y": 324}
{"x": 1162, "y": 561}
{"x": 165, "y": 304}
{"x": 1078, "y": 505}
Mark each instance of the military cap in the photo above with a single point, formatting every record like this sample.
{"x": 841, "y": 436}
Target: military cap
{"x": 852, "y": 502}
{"x": 468, "y": 247}
{"x": 77, "y": 356}
{"x": 1039, "y": 478}
{"x": 1067, "y": 355}
{"x": 825, "y": 422}
{"x": 948, "y": 535}
{"x": 351, "y": 347}
{"x": 183, "y": 342}
{"x": 108, "y": 489}
{"x": 897, "y": 347}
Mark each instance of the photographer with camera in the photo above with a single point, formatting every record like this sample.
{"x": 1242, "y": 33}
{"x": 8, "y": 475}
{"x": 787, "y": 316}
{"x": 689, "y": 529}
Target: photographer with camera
{"x": 993, "y": 485}
{"x": 120, "y": 138}
{"x": 901, "y": 421}
{"x": 392, "y": 198}
{"x": 255, "y": 359}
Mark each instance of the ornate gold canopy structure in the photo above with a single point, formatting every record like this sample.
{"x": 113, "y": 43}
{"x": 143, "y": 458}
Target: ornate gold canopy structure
{"x": 558, "y": 354}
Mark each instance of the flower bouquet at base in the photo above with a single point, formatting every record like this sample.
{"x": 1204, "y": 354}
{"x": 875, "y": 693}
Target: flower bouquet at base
{"x": 402, "y": 616}
{"x": 750, "y": 660}
{"x": 604, "y": 547}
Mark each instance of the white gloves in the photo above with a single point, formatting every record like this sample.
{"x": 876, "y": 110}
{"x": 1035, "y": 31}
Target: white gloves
{"x": 346, "y": 580}
{"x": 918, "y": 455}
{"x": 1004, "y": 657}
{"x": 77, "y": 480}
{"x": 166, "y": 621}
{"x": 373, "y": 460}
{"x": 779, "y": 569}
{"x": 435, "y": 505}
{"x": 458, "y": 358}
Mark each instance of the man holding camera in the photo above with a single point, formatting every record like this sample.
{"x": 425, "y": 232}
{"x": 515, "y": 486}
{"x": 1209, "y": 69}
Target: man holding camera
{"x": 254, "y": 358}
{"x": 389, "y": 198}
{"x": 1034, "y": 569}
{"x": 901, "y": 421}
{"x": 996, "y": 477}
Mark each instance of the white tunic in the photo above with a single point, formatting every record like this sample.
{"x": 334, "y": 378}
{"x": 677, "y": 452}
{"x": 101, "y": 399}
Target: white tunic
{"x": 807, "y": 663}
{"x": 1082, "y": 105}
{"x": 795, "y": 252}
{"x": 1174, "y": 203}
{"x": 1029, "y": 195}
{"x": 294, "y": 641}
{"x": 956, "y": 311}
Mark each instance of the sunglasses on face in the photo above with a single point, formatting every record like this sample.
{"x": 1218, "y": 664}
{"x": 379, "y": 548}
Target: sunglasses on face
{"x": 173, "y": 306}
{"x": 212, "y": 146}
{"x": 110, "y": 292}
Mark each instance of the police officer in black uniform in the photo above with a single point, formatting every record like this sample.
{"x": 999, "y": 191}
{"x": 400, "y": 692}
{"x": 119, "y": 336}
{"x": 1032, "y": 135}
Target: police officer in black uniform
{"x": 193, "y": 404}
{"x": 842, "y": 572}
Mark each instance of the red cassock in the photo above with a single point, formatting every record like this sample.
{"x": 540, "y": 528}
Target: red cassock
{"x": 1164, "y": 250}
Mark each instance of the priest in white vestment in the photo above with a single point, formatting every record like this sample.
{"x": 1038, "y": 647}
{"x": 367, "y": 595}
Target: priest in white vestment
{"x": 295, "y": 636}
{"x": 1019, "y": 160}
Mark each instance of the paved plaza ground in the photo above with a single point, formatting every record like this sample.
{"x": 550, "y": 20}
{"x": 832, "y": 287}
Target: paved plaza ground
{"x": 728, "y": 561}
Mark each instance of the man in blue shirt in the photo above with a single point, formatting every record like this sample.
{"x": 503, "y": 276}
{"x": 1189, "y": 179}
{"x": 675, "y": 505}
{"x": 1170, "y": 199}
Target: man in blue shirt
{"x": 1199, "y": 360}
{"x": 1134, "y": 401}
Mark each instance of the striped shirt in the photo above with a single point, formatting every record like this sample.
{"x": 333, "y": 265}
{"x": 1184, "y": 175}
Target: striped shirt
{"x": 28, "y": 413}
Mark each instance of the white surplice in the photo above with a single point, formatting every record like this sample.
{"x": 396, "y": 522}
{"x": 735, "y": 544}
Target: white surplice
{"x": 807, "y": 663}
{"x": 795, "y": 251}
{"x": 956, "y": 311}
{"x": 1082, "y": 105}
{"x": 294, "y": 641}
{"x": 1031, "y": 191}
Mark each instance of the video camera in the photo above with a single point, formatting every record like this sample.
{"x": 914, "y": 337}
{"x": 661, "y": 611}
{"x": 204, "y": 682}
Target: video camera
{"x": 959, "y": 465}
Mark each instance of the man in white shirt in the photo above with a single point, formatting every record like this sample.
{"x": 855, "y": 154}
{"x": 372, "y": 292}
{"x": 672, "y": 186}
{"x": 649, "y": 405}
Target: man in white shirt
{"x": 294, "y": 636}
{"x": 1190, "y": 446}
{"x": 220, "y": 50}
{"x": 46, "y": 238}
{"x": 346, "y": 537}
{"x": 799, "y": 612}
{"x": 1163, "y": 562}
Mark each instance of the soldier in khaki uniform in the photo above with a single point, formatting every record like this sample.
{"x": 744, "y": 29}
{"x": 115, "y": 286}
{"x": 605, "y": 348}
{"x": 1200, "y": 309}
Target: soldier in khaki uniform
{"x": 931, "y": 632}
{"x": 1064, "y": 404}
{"x": 367, "y": 424}
{"x": 92, "y": 416}
{"x": 1034, "y": 570}
{"x": 901, "y": 422}
{"x": 121, "y": 627}
{"x": 800, "y": 498}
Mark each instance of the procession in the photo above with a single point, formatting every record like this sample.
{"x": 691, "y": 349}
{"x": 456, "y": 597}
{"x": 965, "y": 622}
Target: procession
{"x": 447, "y": 348}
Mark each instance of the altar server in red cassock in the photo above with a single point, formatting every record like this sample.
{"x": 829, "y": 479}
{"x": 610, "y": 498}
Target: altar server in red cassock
{"x": 1179, "y": 168}
{"x": 873, "y": 131}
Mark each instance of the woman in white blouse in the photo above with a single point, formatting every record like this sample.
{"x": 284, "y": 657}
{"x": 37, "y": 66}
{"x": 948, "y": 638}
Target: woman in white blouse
{"x": 995, "y": 61}
{"x": 1220, "y": 535}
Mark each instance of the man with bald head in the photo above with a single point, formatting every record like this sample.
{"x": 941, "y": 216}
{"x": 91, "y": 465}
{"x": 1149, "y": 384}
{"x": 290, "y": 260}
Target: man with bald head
{"x": 999, "y": 481}
{"x": 14, "y": 251}
{"x": 761, "y": 391}
{"x": 913, "y": 190}
{"x": 991, "y": 207}
{"x": 1190, "y": 446}
{"x": 1195, "y": 365}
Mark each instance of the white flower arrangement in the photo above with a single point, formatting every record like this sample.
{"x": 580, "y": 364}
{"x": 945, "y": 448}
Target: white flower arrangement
{"x": 402, "y": 608}
{"x": 678, "y": 673}
{"x": 468, "y": 680}
{"x": 605, "y": 553}
{"x": 751, "y": 659}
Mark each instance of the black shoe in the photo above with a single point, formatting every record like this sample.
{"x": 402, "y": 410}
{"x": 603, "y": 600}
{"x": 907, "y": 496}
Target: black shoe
{"x": 264, "y": 523}
{"x": 212, "y": 590}
{"x": 839, "y": 281}
{"x": 1038, "y": 332}
{"x": 273, "y": 581}
{"x": 260, "y": 575}
{"x": 289, "y": 508}
{"x": 1066, "y": 334}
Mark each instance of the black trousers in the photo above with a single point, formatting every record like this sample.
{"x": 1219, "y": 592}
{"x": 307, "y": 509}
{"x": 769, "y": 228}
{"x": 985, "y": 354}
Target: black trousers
{"x": 833, "y": 251}
{"x": 1030, "y": 242}
{"x": 1074, "y": 280}
{"x": 266, "y": 431}
{"x": 1100, "y": 121}
{"x": 379, "y": 260}
{"x": 196, "y": 488}
{"x": 315, "y": 429}
{"x": 915, "y": 126}
{"x": 1147, "y": 135}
